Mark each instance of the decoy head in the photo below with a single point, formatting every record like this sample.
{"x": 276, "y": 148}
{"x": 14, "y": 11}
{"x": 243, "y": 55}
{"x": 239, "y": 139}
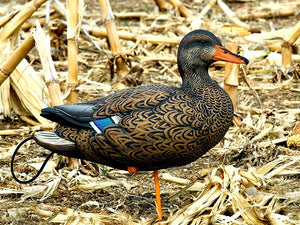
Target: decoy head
{"x": 200, "y": 48}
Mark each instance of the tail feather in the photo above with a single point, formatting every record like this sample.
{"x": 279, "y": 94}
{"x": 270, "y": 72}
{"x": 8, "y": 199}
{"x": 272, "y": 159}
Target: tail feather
{"x": 51, "y": 141}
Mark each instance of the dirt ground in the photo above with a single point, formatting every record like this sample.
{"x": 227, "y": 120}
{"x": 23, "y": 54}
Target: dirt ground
{"x": 131, "y": 196}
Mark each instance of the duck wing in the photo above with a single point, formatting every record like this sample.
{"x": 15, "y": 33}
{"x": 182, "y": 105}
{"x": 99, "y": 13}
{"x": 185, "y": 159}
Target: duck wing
{"x": 75, "y": 122}
{"x": 80, "y": 115}
{"x": 132, "y": 99}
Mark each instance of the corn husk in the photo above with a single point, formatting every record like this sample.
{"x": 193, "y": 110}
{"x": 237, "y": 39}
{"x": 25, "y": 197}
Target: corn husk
{"x": 30, "y": 90}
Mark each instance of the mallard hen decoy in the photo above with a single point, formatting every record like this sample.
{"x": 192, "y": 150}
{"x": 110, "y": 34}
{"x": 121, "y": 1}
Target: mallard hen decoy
{"x": 150, "y": 127}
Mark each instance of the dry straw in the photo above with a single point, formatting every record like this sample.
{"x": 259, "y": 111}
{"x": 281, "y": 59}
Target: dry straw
{"x": 229, "y": 195}
{"x": 234, "y": 192}
{"x": 231, "y": 15}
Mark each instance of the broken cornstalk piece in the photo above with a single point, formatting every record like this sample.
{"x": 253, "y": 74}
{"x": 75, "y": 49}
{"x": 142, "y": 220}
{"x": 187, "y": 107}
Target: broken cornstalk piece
{"x": 11, "y": 63}
{"x": 114, "y": 41}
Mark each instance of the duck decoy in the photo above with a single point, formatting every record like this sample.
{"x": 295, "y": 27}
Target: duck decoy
{"x": 148, "y": 128}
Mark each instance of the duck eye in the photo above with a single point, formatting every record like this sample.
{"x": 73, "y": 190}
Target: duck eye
{"x": 202, "y": 41}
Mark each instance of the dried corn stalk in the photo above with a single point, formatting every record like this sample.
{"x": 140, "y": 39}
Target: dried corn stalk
{"x": 229, "y": 191}
{"x": 98, "y": 32}
{"x": 181, "y": 8}
{"x": 119, "y": 58}
{"x": 7, "y": 18}
{"x": 11, "y": 26}
{"x": 6, "y": 47}
{"x": 43, "y": 45}
{"x": 267, "y": 13}
{"x": 74, "y": 17}
{"x": 231, "y": 80}
{"x": 10, "y": 64}
{"x": 286, "y": 47}
{"x": 162, "y": 4}
{"x": 286, "y": 52}
{"x": 290, "y": 35}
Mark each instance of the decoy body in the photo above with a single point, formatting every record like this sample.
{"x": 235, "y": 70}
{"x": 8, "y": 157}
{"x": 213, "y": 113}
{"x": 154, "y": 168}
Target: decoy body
{"x": 150, "y": 127}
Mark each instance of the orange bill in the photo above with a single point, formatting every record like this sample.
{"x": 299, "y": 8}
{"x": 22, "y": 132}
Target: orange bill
{"x": 223, "y": 54}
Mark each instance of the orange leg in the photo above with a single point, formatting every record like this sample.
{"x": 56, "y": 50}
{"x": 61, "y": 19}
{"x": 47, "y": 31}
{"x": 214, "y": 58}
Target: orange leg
{"x": 157, "y": 193}
{"x": 132, "y": 169}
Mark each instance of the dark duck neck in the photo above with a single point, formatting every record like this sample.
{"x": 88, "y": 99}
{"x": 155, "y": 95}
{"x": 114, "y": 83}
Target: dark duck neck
{"x": 196, "y": 53}
{"x": 195, "y": 79}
